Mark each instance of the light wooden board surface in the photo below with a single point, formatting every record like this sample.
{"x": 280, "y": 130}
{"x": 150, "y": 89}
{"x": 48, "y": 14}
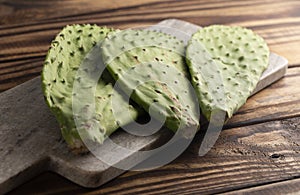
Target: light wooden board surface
{"x": 31, "y": 142}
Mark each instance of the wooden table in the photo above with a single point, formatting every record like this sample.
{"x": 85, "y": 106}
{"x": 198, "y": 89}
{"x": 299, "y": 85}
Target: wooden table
{"x": 257, "y": 152}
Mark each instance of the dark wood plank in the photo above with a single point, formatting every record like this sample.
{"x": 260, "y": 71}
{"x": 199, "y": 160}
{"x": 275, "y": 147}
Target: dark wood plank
{"x": 12, "y": 74}
{"x": 28, "y": 27}
{"x": 18, "y": 11}
{"x": 284, "y": 187}
{"x": 242, "y": 157}
{"x": 278, "y": 101}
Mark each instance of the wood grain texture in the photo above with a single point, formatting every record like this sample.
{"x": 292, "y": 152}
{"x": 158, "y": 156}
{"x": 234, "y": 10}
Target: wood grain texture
{"x": 284, "y": 187}
{"x": 29, "y": 26}
{"x": 250, "y": 156}
{"x": 242, "y": 157}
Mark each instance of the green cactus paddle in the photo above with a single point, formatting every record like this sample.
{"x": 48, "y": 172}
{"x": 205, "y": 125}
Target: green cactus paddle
{"x": 151, "y": 65}
{"x": 225, "y": 65}
{"x": 64, "y": 58}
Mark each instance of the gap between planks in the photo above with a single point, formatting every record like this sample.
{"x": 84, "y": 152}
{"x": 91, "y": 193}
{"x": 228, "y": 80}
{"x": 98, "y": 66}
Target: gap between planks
{"x": 290, "y": 186}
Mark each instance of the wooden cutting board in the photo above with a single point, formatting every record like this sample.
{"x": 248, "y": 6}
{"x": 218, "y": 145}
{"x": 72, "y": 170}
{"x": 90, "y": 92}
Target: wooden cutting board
{"x": 31, "y": 143}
